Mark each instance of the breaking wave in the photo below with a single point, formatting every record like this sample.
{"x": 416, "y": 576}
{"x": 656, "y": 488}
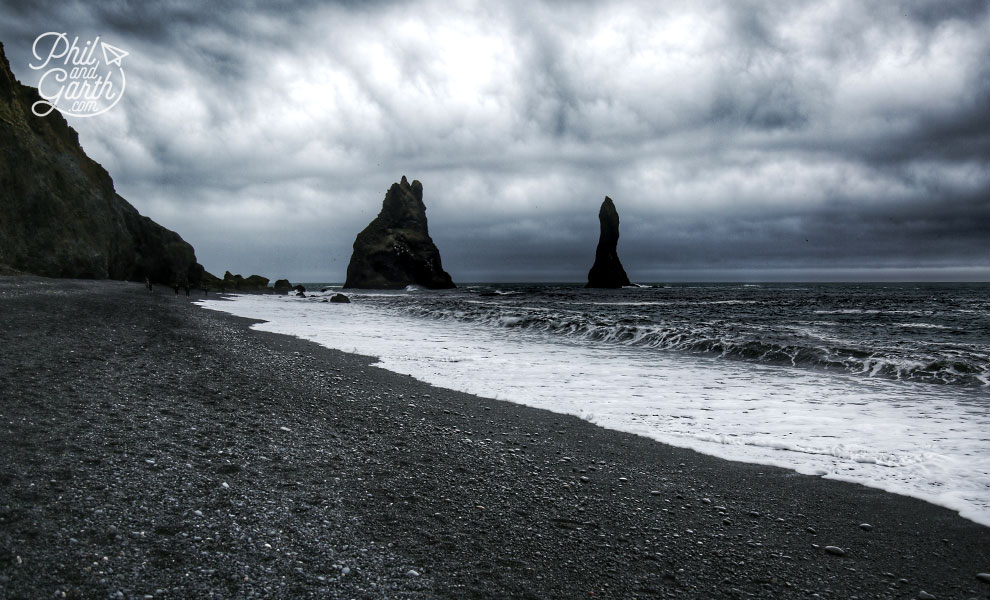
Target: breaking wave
{"x": 959, "y": 365}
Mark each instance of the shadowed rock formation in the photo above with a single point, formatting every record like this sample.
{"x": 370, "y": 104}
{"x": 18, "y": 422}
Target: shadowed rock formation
{"x": 238, "y": 283}
{"x": 59, "y": 213}
{"x": 607, "y": 272}
{"x": 395, "y": 250}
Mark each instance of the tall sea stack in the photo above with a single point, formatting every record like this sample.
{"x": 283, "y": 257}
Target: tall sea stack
{"x": 395, "y": 250}
{"x": 59, "y": 213}
{"x": 607, "y": 272}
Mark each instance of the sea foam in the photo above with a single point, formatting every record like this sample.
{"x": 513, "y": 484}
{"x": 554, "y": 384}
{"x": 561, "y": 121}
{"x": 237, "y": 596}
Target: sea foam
{"x": 921, "y": 440}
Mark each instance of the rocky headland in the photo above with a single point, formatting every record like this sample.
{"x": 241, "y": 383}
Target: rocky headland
{"x": 60, "y": 215}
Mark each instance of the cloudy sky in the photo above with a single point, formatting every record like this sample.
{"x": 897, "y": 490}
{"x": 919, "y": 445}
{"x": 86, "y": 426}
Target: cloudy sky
{"x": 845, "y": 139}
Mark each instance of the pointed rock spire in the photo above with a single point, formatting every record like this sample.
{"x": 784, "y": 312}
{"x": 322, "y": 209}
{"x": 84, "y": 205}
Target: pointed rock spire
{"x": 607, "y": 272}
{"x": 395, "y": 249}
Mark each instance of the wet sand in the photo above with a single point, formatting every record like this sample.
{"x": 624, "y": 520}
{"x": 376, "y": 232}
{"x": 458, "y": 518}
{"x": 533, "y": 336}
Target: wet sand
{"x": 151, "y": 448}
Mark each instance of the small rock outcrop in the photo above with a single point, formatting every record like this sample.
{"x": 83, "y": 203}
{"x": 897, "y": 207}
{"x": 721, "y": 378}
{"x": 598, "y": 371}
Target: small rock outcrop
{"x": 282, "y": 286}
{"x": 244, "y": 285}
{"x": 607, "y": 272}
{"x": 395, "y": 250}
{"x": 60, "y": 215}
{"x": 340, "y": 298}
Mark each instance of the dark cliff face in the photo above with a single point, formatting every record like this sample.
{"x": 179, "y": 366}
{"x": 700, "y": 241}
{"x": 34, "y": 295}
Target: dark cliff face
{"x": 59, "y": 213}
{"x": 395, "y": 250}
{"x": 607, "y": 272}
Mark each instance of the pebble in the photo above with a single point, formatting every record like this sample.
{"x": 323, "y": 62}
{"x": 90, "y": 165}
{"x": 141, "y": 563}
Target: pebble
{"x": 224, "y": 485}
{"x": 810, "y": 530}
{"x": 835, "y": 550}
{"x": 584, "y": 479}
{"x": 923, "y": 595}
{"x": 412, "y": 573}
{"x": 984, "y": 577}
{"x": 656, "y": 493}
{"x": 623, "y": 479}
{"x": 866, "y": 527}
{"x": 345, "y": 571}
{"x": 198, "y": 513}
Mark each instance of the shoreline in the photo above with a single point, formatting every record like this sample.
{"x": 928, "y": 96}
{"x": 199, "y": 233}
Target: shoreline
{"x": 733, "y": 424}
{"x": 127, "y": 412}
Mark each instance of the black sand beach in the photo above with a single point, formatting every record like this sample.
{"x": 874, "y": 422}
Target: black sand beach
{"x": 154, "y": 449}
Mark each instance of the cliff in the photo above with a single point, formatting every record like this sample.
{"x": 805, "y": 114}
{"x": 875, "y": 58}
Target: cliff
{"x": 59, "y": 213}
{"x": 607, "y": 272}
{"x": 395, "y": 250}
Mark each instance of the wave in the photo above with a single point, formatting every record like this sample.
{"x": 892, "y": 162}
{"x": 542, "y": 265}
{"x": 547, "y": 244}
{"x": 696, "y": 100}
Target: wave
{"x": 958, "y": 366}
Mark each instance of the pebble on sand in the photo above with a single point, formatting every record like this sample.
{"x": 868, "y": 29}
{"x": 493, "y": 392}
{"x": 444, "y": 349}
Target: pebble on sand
{"x": 984, "y": 577}
{"x": 412, "y": 573}
{"x": 866, "y": 527}
{"x": 923, "y": 595}
{"x": 835, "y": 550}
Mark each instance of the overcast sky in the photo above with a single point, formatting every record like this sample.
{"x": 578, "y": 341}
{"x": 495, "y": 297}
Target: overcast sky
{"x": 739, "y": 140}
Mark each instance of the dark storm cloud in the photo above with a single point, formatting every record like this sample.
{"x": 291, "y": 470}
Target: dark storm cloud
{"x": 735, "y": 137}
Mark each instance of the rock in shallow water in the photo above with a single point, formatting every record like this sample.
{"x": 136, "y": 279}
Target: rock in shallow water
{"x": 607, "y": 272}
{"x": 395, "y": 250}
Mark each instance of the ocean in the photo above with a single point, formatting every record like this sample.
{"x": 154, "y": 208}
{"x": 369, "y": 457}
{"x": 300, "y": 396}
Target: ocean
{"x": 886, "y": 385}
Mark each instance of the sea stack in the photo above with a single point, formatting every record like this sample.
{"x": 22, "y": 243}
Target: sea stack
{"x": 395, "y": 250}
{"x": 607, "y": 272}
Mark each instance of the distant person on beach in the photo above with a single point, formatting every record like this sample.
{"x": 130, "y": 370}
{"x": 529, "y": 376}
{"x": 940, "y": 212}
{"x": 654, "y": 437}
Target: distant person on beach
{"x": 147, "y": 284}
{"x": 185, "y": 286}
{"x": 176, "y": 288}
